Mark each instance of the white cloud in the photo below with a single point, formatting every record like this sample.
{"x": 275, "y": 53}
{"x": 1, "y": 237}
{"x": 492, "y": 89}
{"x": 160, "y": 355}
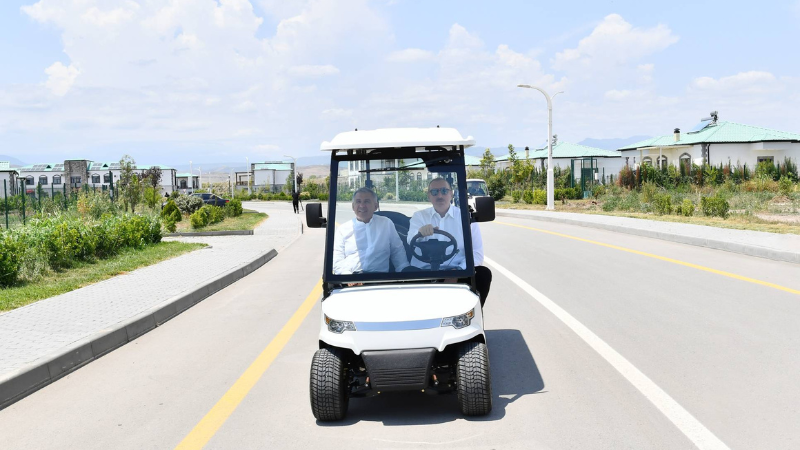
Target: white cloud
{"x": 612, "y": 43}
{"x": 95, "y": 16}
{"x": 337, "y": 113}
{"x": 60, "y": 78}
{"x": 310, "y": 71}
{"x": 411, "y": 55}
{"x": 750, "y": 83}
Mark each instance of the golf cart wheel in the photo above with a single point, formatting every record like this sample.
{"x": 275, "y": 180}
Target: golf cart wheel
{"x": 473, "y": 379}
{"x": 328, "y": 385}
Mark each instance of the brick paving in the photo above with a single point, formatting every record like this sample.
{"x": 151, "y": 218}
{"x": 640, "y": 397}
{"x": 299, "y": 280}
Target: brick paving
{"x": 47, "y": 326}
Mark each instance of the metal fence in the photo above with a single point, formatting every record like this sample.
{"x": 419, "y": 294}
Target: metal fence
{"x": 19, "y": 201}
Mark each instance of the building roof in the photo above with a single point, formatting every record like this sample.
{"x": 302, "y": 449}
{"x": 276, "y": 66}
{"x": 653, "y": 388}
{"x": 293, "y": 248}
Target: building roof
{"x": 273, "y": 166}
{"x": 565, "y": 150}
{"x": 185, "y": 175}
{"x": 397, "y": 137}
{"x": 43, "y": 167}
{"x": 720, "y": 132}
{"x": 91, "y": 165}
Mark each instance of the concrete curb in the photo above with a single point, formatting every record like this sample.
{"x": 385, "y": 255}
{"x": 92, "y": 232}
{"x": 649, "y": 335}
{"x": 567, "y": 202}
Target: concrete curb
{"x": 27, "y": 380}
{"x": 212, "y": 233}
{"x": 728, "y": 246}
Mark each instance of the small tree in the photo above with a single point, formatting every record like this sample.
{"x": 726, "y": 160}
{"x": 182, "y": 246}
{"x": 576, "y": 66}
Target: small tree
{"x": 126, "y": 167}
{"x": 487, "y": 164}
{"x": 152, "y": 179}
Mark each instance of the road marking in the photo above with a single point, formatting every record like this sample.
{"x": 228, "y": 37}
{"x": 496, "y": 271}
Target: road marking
{"x": 208, "y": 426}
{"x": 663, "y": 258}
{"x": 701, "y": 436}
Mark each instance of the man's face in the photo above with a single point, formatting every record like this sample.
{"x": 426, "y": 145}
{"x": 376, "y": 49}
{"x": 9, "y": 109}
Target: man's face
{"x": 364, "y": 206}
{"x": 440, "y": 194}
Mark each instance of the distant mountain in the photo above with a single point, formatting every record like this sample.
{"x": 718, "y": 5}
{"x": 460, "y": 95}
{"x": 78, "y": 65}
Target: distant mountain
{"x": 14, "y": 161}
{"x": 613, "y": 143}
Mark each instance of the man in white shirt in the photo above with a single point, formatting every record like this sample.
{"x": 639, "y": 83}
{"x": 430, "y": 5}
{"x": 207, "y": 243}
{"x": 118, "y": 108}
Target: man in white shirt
{"x": 446, "y": 217}
{"x": 368, "y": 242}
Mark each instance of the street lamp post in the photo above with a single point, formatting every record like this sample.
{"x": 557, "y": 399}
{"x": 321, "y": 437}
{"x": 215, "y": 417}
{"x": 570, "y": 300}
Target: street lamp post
{"x": 248, "y": 175}
{"x": 550, "y": 182}
{"x": 294, "y": 172}
{"x": 191, "y": 177}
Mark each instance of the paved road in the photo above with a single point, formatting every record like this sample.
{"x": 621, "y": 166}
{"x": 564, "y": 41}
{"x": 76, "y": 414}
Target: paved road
{"x": 719, "y": 345}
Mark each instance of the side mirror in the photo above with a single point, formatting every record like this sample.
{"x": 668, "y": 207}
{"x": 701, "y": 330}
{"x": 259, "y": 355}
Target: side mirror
{"x": 314, "y": 218}
{"x": 484, "y": 209}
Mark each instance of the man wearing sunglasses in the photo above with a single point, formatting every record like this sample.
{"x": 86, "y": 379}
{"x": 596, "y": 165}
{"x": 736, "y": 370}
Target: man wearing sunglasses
{"x": 446, "y": 217}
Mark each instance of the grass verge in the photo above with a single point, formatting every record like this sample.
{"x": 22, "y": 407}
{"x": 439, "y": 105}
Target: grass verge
{"x": 86, "y": 273}
{"x": 244, "y": 222}
{"x": 734, "y": 221}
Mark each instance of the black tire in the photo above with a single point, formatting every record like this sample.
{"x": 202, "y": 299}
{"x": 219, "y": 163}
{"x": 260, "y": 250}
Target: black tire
{"x": 473, "y": 379}
{"x": 329, "y": 385}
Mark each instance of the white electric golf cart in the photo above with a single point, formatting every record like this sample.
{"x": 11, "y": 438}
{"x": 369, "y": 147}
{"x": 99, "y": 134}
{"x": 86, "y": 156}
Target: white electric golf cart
{"x": 415, "y": 329}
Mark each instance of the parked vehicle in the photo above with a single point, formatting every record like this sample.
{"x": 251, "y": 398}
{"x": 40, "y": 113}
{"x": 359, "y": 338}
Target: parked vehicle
{"x": 400, "y": 330}
{"x": 212, "y": 199}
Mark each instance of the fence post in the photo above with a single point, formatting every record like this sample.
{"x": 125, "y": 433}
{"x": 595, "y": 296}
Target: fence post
{"x": 65, "y": 195}
{"x": 24, "y": 194}
{"x": 39, "y": 192}
{"x": 5, "y": 201}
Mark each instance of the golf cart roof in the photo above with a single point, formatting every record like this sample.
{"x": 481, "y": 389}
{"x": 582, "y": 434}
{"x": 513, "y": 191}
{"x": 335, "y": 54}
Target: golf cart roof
{"x": 397, "y": 137}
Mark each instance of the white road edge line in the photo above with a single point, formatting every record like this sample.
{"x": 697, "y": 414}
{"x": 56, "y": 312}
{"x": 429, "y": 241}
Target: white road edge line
{"x": 701, "y": 436}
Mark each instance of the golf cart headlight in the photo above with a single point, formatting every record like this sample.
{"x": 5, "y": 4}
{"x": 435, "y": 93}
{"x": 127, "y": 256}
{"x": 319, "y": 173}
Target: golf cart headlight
{"x": 339, "y": 326}
{"x": 460, "y": 321}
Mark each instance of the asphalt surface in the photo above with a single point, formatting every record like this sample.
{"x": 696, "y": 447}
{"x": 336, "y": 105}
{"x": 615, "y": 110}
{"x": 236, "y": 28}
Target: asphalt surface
{"x": 722, "y": 347}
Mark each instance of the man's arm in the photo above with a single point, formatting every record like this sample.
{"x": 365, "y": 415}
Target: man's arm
{"x": 477, "y": 244}
{"x": 397, "y": 249}
{"x": 340, "y": 265}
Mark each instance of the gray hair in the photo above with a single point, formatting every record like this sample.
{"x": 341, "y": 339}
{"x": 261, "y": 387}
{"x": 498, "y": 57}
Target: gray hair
{"x": 365, "y": 190}
{"x": 437, "y": 179}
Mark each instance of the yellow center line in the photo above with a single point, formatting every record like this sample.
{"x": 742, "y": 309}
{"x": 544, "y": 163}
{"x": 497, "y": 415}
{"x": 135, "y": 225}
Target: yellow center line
{"x": 208, "y": 426}
{"x": 662, "y": 258}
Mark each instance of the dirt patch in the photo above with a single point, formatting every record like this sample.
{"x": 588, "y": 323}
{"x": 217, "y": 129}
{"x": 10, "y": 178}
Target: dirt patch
{"x": 793, "y": 219}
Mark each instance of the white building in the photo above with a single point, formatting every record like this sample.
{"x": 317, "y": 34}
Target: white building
{"x": 8, "y": 178}
{"x": 76, "y": 174}
{"x": 186, "y": 182}
{"x": 713, "y": 142}
{"x": 271, "y": 175}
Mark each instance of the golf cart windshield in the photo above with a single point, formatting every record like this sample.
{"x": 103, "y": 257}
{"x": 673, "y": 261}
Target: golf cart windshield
{"x": 477, "y": 187}
{"x": 393, "y": 216}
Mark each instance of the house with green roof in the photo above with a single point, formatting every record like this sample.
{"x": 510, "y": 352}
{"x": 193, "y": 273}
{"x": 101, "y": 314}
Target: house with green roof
{"x": 269, "y": 175}
{"x": 8, "y": 176}
{"x": 712, "y": 142}
{"x": 567, "y": 154}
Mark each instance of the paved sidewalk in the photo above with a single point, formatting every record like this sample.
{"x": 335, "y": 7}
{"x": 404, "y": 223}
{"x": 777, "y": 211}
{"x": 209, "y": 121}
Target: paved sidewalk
{"x": 779, "y": 247}
{"x": 35, "y": 334}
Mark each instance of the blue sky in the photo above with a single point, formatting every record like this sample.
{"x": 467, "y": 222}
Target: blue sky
{"x": 217, "y": 80}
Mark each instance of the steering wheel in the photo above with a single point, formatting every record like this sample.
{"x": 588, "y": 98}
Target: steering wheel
{"x": 434, "y": 251}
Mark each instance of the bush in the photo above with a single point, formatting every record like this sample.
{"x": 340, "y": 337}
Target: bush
{"x": 516, "y": 196}
{"x": 686, "y": 208}
{"x": 612, "y": 203}
{"x": 785, "y": 185}
{"x": 11, "y": 252}
{"x": 388, "y": 196}
{"x": 714, "y": 206}
{"x": 527, "y": 196}
{"x": 233, "y": 208}
{"x": 207, "y": 215}
{"x": 169, "y": 224}
{"x": 662, "y": 204}
{"x": 188, "y": 204}
{"x": 171, "y": 211}
{"x": 497, "y": 186}
{"x": 323, "y": 196}
{"x": 199, "y": 219}
{"x": 305, "y": 196}
{"x": 540, "y": 197}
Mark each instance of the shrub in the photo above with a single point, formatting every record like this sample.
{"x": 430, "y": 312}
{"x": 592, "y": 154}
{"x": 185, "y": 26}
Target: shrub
{"x": 169, "y": 224}
{"x": 323, "y": 196}
{"x": 540, "y": 197}
{"x": 188, "y": 204}
{"x": 598, "y": 191}
{"x": 686, "y": 208}
{"x": 388, "y": 196}
{"x": 207, "y": 215}
{"x": 516, "y": 196}
{"x": 785, "y": 185}
{"x": 714, "y": 206}
{"x": 662, "y": 204}
{"x": 649, "y": 191}
{"x": 11, "y": 252}
{"x": 233, "y": 208}
{"x": 612, "y": 203}
{"x": 199, "y": 219}
{"x": 171, "y": 211}
{"x": 527, "y": 196}
{"x": 305, "y": 196}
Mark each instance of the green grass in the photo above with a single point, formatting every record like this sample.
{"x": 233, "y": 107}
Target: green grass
{"x": 85, "y": 273}
{"x": 246, "y": 221}
{"x": 734, "y": 221}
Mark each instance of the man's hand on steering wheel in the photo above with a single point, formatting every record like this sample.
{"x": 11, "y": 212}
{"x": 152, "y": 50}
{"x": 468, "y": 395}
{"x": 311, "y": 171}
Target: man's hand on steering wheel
{"x": 427, "y": 230}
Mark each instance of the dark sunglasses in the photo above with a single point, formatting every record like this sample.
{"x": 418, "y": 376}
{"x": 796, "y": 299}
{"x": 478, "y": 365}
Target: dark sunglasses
{"x": 434, "y": 192}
